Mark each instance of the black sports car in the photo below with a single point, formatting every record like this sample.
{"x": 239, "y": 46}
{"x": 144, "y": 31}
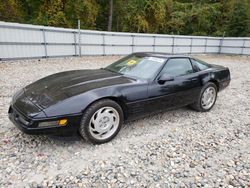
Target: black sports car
{"x": 95, "y": 103}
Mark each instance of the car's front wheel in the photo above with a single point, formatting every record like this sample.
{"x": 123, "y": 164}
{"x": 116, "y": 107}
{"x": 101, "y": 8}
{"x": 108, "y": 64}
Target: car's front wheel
{"x": 207, "y": 98}
{"x": 101, "y": 121}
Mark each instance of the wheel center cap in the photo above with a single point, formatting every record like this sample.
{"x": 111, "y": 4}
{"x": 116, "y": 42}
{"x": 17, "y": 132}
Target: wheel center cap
{"x": 104, "y": 122}
{"x": 105, "y": 119}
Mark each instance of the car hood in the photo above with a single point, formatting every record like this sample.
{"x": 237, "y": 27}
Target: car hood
{"x": 58, "y": 87}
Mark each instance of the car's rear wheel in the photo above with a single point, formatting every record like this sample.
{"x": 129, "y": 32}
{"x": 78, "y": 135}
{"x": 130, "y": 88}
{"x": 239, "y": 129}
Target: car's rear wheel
{"x": 101, "y": 121}
{"x": 207, "y": 98}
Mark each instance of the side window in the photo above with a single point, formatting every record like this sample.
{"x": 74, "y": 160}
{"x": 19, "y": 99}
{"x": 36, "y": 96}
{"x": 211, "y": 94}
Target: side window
{"x": 178, "y": 67}
{"x": 200, "y": 64}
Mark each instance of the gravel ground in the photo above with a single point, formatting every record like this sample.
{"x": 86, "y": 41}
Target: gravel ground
{"x": 180, "y": 148}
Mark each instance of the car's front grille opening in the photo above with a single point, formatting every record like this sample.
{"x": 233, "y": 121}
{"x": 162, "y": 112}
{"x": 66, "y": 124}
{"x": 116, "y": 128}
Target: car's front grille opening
{"x": 18, "y": 117}
{"x": 23, "y": 121}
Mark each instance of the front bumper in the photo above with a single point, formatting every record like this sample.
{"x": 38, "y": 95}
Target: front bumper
{"x": 31, "y": 126}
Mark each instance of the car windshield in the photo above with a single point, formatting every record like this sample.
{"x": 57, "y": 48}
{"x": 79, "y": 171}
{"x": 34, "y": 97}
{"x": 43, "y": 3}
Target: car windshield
{"x": 137, "y": 66}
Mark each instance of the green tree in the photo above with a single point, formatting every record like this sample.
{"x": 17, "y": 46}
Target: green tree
{"x": 30, "y": 9}
{"x": 155, "y": 12}
{"x": 177, "y": 19}
{"x": 84, "y": 10}
{"x": 238, "y": 23}
{"x": 134, "y": 17}
{"x": 143, "y": 15}
{"x": 10, "y": 11}
{"x": 52, "y": 13}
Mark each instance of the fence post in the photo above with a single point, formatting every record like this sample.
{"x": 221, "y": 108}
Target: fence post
{"x": 133, "y": 43}
{"x": 191, "y": 46}
{"x": 103, "y": 44}
{"x": 45, "y": 43}
{"x": 79, "y": 38}
{"x": 221, "y": 42}
{"x": 220, "y": 45}
{"x": 154, "y": 44}
{"x": 206, "y": 46}
{"x": 173, "y": 46}
{"x": 75, "y": 43}
{"x": 242, "y": 49}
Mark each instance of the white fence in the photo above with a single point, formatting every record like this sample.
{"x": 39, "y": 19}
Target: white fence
{"x": 29, "y": 41}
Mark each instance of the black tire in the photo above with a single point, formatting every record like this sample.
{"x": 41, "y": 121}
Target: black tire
{"x": 197, "y": 105}
{"x": 84, "y": 129}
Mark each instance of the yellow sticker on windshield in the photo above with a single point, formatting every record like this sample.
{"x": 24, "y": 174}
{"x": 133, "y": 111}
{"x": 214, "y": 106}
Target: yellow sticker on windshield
{"x": 131, "y": 62}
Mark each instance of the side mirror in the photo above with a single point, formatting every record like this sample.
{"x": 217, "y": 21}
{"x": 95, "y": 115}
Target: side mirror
{"x": 164, "y": 78}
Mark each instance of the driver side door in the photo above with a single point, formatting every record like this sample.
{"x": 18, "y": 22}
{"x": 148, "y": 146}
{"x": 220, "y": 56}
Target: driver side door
{"x": 182, "y": 90}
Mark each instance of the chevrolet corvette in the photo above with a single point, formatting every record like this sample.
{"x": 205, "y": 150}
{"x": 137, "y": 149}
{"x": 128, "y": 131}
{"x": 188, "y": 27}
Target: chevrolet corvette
{"x": 94, "y": 103}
